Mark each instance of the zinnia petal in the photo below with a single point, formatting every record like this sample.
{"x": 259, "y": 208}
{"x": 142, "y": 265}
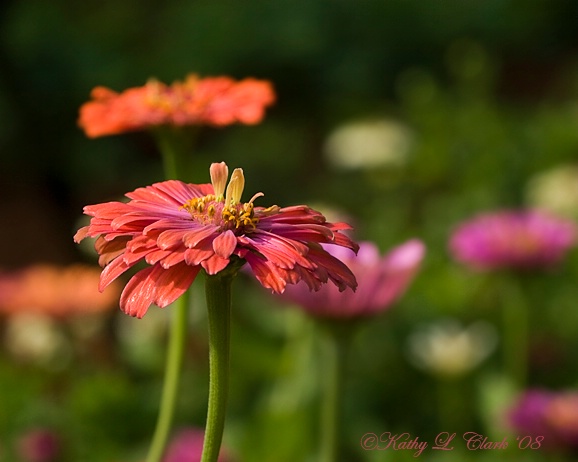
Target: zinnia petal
{"x": 266, "y": 273}
{"x": 214, "y": 264}
{"x": 156, "y": 285}
{"x": 224, "y": 244}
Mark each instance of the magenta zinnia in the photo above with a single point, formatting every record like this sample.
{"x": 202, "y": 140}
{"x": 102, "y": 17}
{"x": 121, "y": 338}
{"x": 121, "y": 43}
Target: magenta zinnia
{"x": 519, "y": 239}
{"x": 551, "y": 415}
{"x": 179, "y": 228}
{"x": 187, "y": 446}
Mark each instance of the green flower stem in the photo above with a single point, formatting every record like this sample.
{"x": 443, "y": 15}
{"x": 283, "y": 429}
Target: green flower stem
{"x": 175, "y": 145}
{"x": 450, "y": 408}
{"x": 178, "y": 334}
{"x": 218, "y": 293}
{"x": 336, "y": 347}
{"x": 515, "y": 332}
{"x": 174, "y": 150}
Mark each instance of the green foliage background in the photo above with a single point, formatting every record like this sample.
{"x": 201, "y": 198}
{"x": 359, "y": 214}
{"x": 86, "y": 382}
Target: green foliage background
{"x": 490, "y": 91}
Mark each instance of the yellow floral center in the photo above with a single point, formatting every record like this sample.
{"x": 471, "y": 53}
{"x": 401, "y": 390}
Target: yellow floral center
{"x": 170, "y": 98}
{"x": 225, "y": 211}
{"x": 241, "y": 215}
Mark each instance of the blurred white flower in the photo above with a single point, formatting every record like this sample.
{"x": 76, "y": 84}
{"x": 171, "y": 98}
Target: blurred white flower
{"x": 37, "y": 338}
{"x": 555, "y": 190}
{"x": 368, "y": 144}
{"x": 447, "y": 349}
{"x": 141, "y": 339}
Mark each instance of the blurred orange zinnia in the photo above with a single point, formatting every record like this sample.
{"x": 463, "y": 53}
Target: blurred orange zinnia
{"x": 55, "y": 290}
{"x": 215, "y": 101}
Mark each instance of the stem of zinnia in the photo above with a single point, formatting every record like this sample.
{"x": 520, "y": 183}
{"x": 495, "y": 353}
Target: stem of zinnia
{"x": 450, "y": 410}
{"x": 178, "y": 334}
{"x": 218, "y": 293}
{"x": 174, "y": 154}
{"x": 336, "y": 346}
{"x": 515, "y": 319}
{"x": 175, "y": 145}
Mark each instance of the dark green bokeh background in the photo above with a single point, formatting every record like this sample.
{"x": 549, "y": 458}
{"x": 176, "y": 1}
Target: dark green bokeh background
{"x": 489, "y": 88}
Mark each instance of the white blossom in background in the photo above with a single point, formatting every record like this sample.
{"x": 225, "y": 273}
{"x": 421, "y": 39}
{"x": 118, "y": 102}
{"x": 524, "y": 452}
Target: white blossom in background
{"x": 366, "y": 144}
{"x": 37, "y": 338}
{"x": 142, "y": 341}
{"x": 555, "y": 190}
{"x": 448, "y": 349}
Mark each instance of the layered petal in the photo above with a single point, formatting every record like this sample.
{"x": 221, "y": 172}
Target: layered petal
{"x": 156, "y": 285}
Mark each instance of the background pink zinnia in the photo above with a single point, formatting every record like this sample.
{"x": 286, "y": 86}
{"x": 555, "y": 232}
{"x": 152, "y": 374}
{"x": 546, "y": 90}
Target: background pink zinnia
{"x": 382, "y": 280}
{"x": 187, "y": 446}
{"x": 512, "y": 239}
{"x": 39, "y": 445}
{"x": 552, "y": 415}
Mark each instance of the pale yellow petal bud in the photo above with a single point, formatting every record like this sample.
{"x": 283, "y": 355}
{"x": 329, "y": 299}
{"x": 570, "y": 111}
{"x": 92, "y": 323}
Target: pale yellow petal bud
{"x": 235, "y": 187}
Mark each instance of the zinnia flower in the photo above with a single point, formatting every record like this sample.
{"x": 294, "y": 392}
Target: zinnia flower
{"x": 179, "y": 228}
{"x": 39, "y": 445}
{"x": 53, "y": 290}
{"x": 215, "y": 101}
{"x": 187, "y": 446}
{"x": 382, "y": 280}
{"x": 552, "y": 415}
{"x": 512, "y": 239}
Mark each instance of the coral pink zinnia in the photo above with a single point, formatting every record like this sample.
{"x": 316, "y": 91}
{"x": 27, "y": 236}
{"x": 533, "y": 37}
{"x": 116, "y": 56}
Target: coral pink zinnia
{"x": 215, "y": 101}
{"x": 179, "y": 228}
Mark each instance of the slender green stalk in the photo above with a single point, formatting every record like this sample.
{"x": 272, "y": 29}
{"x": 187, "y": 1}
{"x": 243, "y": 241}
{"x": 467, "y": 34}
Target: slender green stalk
{"x": 450, "y": 408}
{"x": 177, "y": 340}
{"x": 170, "y": 150}
{"x": 335, "y": 357}
{"x": 175, "y": 145}
{"x": 218, "y": 293}
{"x": 515, "y": 332}
{"x": 174, "y": 156}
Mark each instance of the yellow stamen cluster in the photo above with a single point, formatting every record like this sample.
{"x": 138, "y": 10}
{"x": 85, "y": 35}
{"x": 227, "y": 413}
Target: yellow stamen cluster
{"x": 156, "y": 96}
{"x": 241, "y": 216}
{"x": 198, "y": 205}
{"x": 170, "y": 98}
{"x": 204, "y": 209}
{"x": 232, "y": 211}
